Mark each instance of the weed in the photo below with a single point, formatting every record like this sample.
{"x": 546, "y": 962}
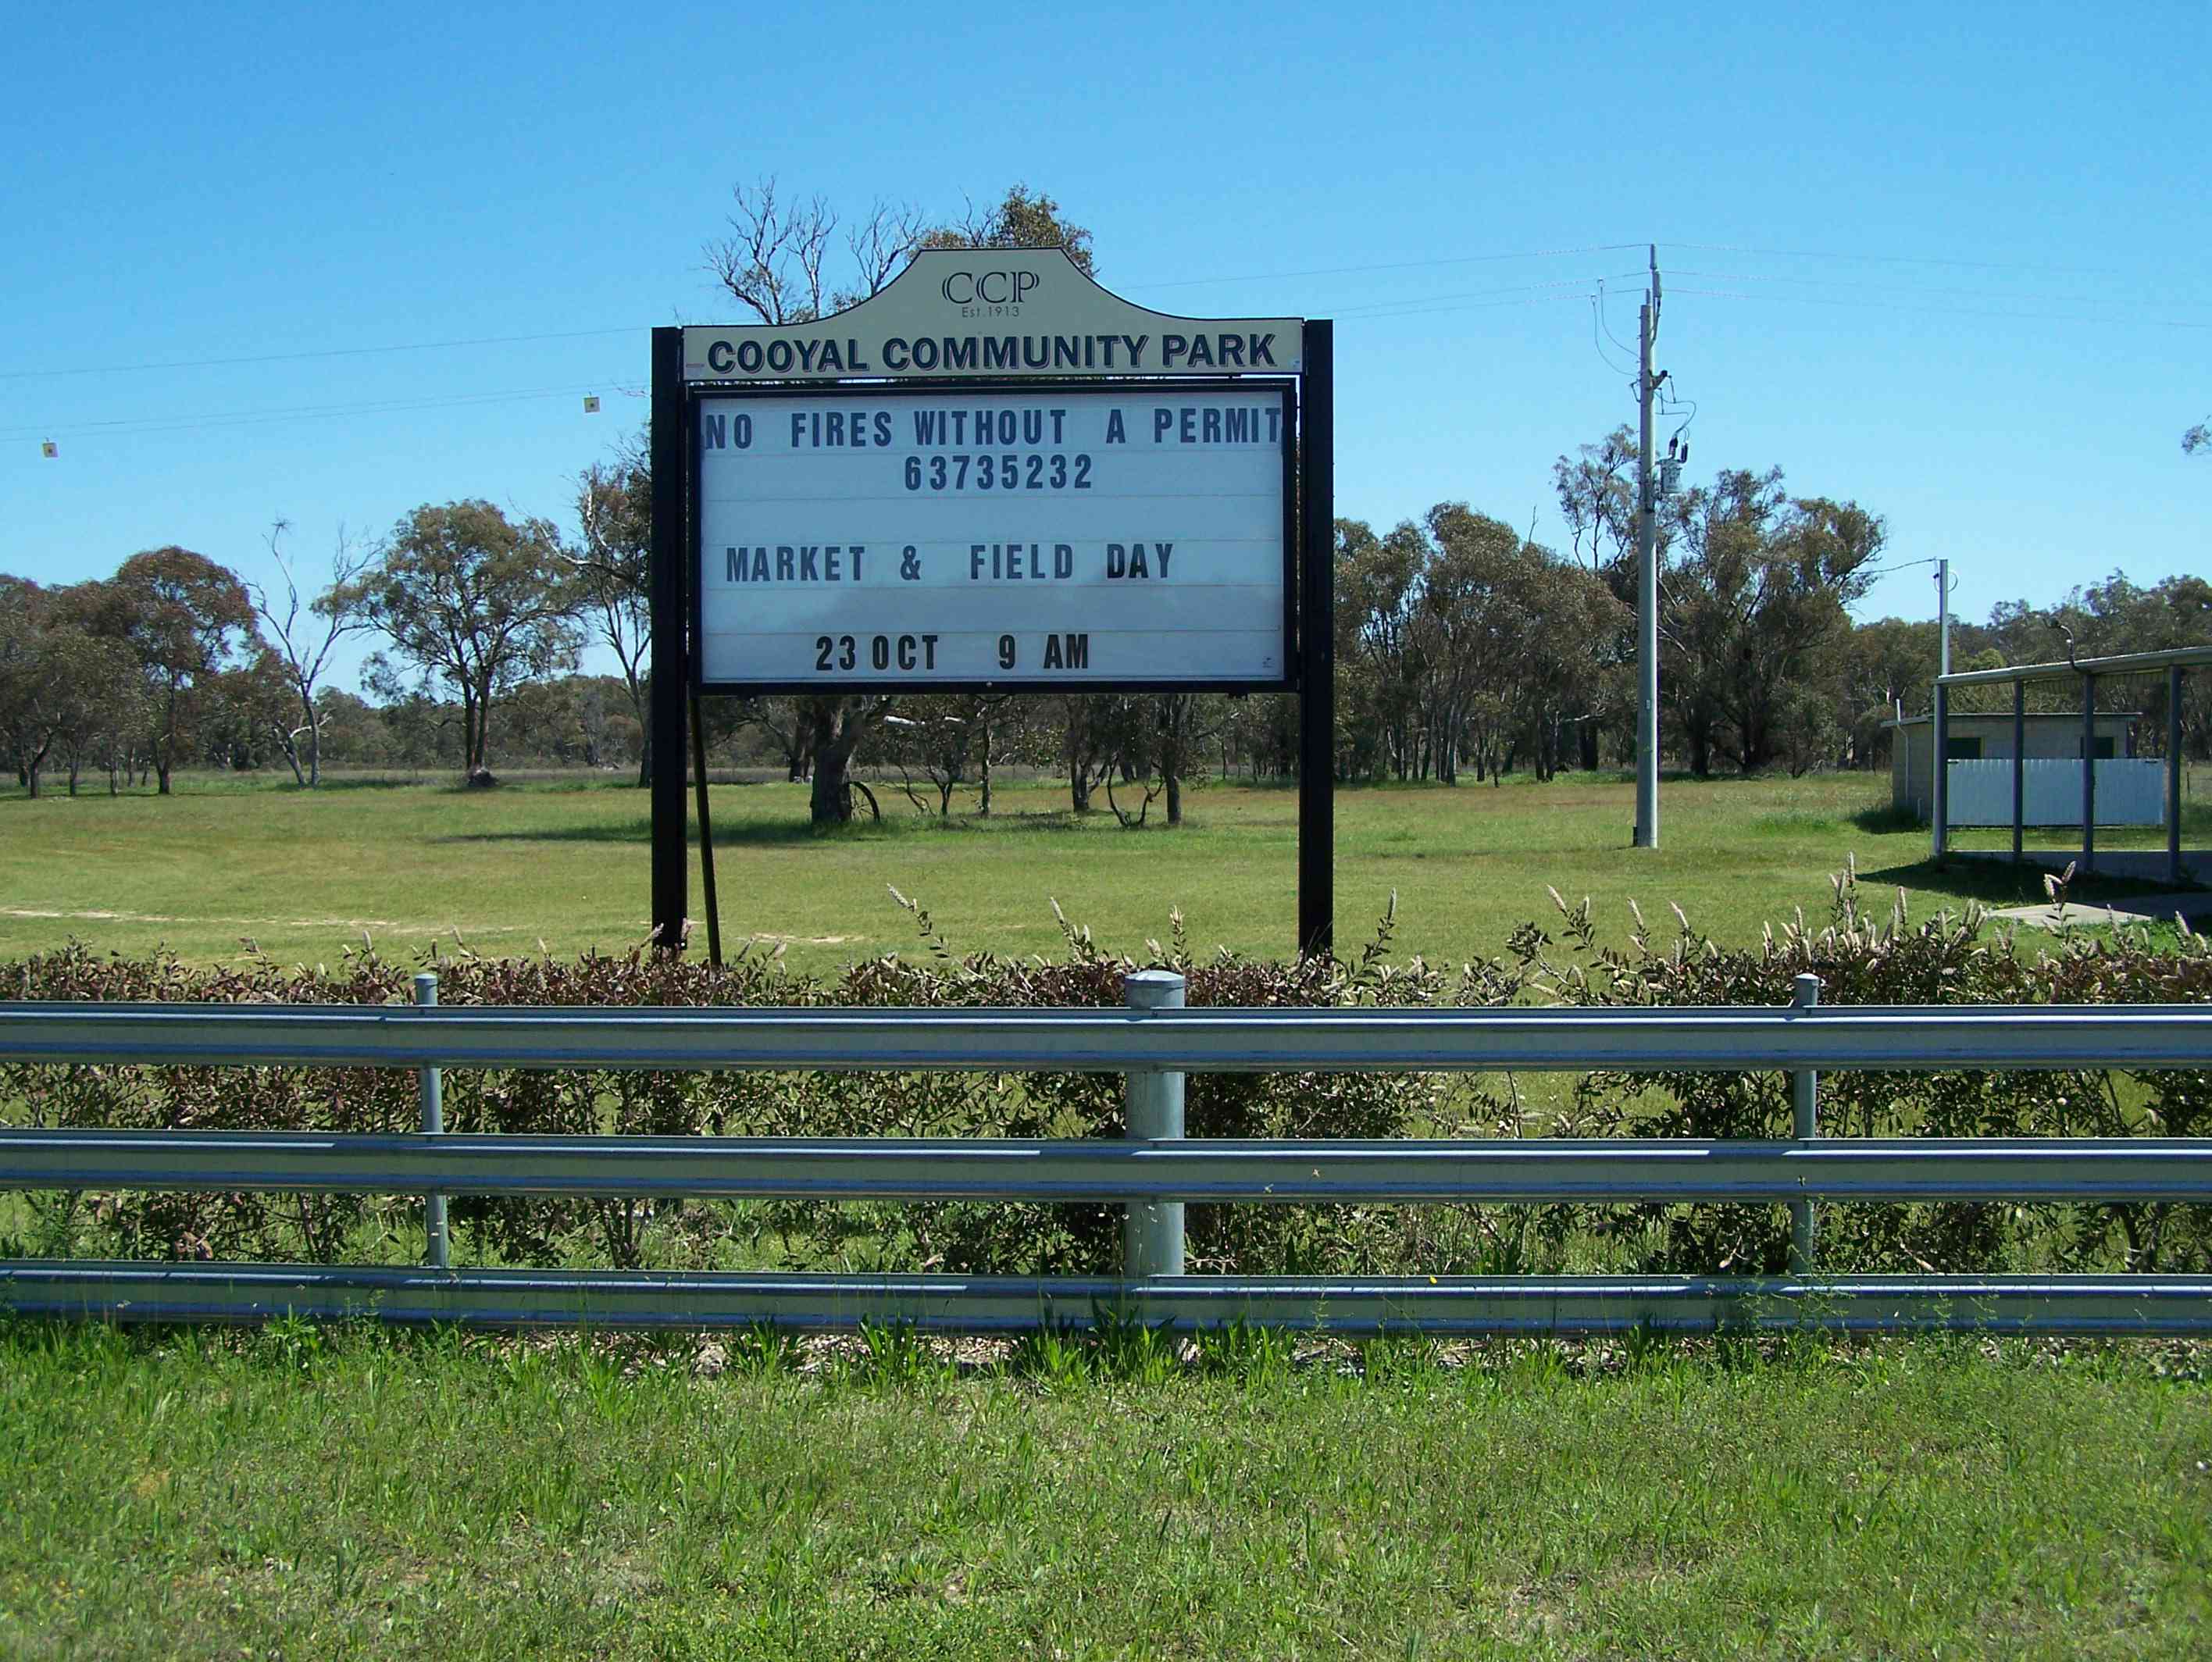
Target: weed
{"x": 1056, "y": 1357}
{"x": 1130, "y": 1350}
{"x": 1246, "y": 1351}
{"x": 762, "y": 1349}
{"x": 896, "y": 1355}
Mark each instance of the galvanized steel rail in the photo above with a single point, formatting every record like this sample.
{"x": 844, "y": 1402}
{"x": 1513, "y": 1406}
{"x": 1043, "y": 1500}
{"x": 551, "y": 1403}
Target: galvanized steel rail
{"x": 1827, "y": 1036}
{"x": 2112, "y": 1304}
{"x": 1154, "y": 1044}
{"x": 1327, "y": 1171}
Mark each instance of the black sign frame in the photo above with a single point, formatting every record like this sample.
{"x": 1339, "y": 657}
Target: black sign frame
{"x": 670, "y": 691}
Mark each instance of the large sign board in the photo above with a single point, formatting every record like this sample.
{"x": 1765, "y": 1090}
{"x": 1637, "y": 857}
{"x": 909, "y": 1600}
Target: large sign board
{"x": 993, "y": 474}
{"x": 994, "y": 535}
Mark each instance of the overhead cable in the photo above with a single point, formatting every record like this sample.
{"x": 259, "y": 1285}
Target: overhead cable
{"x": 1954, "y": 311}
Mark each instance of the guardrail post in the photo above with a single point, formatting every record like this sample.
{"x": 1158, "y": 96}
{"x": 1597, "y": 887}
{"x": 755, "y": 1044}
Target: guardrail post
{"x": 1151, "y": 1231}
{"x": 432, "y": 1091}
{"x": 1805, "y": 1127}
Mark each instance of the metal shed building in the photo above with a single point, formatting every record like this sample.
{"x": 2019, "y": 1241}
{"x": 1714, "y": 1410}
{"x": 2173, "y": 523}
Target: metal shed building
{"x": 2044, "y": 736}
{"x": 2085, "y": 673}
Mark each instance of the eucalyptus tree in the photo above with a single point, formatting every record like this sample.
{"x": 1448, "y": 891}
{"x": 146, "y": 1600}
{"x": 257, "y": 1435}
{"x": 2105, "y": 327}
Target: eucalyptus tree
{"x": 473, "y": 604}
{"x": 1378, "y": 580}
{"x": 186, "y": 620}
{"x": 613, "y": 569}
{"x": 1757, "y": 611}
{"x": 64, "y": 689}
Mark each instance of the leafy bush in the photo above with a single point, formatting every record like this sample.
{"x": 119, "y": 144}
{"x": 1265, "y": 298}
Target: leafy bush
{"x": 1860, "y": 958}
{"x": 1952, "y": 958}
{"x": 965, "y": 1237}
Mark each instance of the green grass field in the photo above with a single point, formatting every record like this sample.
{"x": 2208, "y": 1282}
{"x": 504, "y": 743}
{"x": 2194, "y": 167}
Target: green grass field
{"x": 310, "y": 1494}
{"x": 304, "y": 1493}
{"x": 564, "y": 861}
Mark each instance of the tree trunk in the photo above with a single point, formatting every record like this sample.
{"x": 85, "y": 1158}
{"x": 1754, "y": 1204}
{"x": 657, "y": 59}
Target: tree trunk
{"x": 1175, "y": 799}
{"x": 831, "y": 801}
{"x": 473, "y": 728}
{"x": 837, "y": 728}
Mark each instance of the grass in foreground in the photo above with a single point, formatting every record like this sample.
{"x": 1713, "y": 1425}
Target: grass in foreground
{"x": 302, "y": 873}
{"x": 304, "y": 1493}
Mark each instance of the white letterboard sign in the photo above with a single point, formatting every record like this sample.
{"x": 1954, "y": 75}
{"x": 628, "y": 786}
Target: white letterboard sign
{"x": 1131, "y": 534}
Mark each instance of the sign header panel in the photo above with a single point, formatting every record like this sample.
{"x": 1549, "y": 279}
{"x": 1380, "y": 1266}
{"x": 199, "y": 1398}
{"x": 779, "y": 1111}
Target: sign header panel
{"x": 1126, "y": 535}
{"x": 993, "y": 313}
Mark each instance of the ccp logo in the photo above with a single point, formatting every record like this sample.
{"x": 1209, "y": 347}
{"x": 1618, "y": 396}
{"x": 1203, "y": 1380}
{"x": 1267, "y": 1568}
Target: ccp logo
{"x": 989, "y": 288}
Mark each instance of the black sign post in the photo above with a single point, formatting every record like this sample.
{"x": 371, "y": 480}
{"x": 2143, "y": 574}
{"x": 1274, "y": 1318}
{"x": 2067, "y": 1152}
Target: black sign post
{"x": 671, "y": 611}
{"x": 1318, "y": 645}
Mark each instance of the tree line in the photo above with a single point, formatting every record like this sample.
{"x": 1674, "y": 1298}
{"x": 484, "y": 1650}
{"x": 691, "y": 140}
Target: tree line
{"x": 1465, "y": 650}
{"x": 176, "y": 661}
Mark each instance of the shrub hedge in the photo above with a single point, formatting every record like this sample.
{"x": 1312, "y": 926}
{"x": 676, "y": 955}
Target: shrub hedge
{"x": 1861, "y": 957}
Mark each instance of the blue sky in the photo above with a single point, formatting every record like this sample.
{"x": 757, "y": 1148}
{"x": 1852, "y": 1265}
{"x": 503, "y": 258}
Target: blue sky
{"x": 1952, "y": 262}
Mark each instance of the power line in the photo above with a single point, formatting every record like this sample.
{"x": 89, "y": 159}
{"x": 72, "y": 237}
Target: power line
{"x": 1893, "y": 259}
{"x": 1917, "y": 289}
{"x": 1393, "y": 265}
{"x": 302, "y": 357}
{"x": 1954, "y": 311}
{"x": 160, "y": 366}
{"x": 1472, "y": 306}
{"x": 133, "y": 425}
{"x": 1378, "y": 311}
{"x": 1573, "y": 286}
{"x": 593, "y": 334}
{"x": 1597, "y": 314}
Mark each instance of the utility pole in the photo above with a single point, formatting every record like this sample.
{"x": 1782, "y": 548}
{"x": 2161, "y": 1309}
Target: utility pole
{"x": 1939, "y": 721}
{"x": 1647, "y": 583}
{"x": 1943, "y": 615}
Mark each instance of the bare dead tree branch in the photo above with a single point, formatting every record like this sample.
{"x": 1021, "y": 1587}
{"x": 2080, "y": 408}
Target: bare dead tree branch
{"x": 305, "y": 656}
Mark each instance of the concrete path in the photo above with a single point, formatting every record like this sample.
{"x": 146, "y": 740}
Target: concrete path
{"x": 2126, "y": 909}
{"x": 2141, "y": 864}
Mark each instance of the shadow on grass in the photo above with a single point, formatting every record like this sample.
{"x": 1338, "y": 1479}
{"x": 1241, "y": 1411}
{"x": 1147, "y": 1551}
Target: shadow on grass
{"x": 339, "y": 784}
{"x": 639, "y": 830}
{"x": 192, "y": 788}
{"x": 772, "y": 833}
{"x": 2001, "y": 883}
{"x": 1888, "y": 821}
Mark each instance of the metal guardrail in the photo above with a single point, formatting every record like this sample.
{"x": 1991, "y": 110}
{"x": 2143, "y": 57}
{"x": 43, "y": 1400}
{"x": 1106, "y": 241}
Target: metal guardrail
{"x": 1536, "y": 1170}
{"x": 2112, "y": 1304}
{"x": 1907, "y": 1037}
{"x": 1153, "y": 1175}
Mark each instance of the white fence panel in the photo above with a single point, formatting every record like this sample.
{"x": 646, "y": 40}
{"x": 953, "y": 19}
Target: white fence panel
{"x": 2130, "y": 791}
